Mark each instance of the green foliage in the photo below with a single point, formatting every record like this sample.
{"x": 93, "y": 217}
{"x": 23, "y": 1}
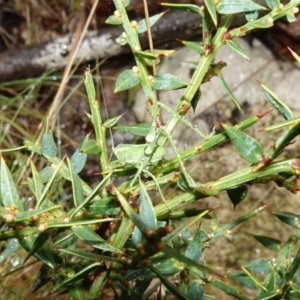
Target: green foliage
{"x": 114, "y": 235}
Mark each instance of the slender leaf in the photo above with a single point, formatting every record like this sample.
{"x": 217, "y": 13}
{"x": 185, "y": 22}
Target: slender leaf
{"x": 97, "y": 287}
{"x": 77, "y": 189}
{"x": 172, "y": 288}
{"x": 41, "y": 279}
{"x": 76, "y": 291}
{"x": 77, "y": 276}
{"x": 9, "y": 192}
{"x": 48, "y": 146}
{"x": 11, "y": 247}
{"x": 228, "y": 289}
{"x": 236, "y": 48}
{"x": 195, "y": 46}
{"x": 142, "y": 25}
{"x": 211, "y": 6}
{"x": 38, "y": 243}
{"x": 281, "y": 107}
{"x": 187, "y": 7}
{"x": 244, "y": 279}
{"x": 228, "y": 91}
{"x": 146, "y": 211}
{"x": 288, "y": 218}
{"x": 140, "y": 129}
{"x": 167, "y": 82}
{"x": 268, "y": 242}
{"x": 112, "y": 121}
{"x": 86, "y": 234}
{"x": 227, "y": 7}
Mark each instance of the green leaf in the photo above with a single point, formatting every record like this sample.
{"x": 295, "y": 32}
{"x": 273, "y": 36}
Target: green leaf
{"x": 43, "y": 253}
{"x": 90, "y": 147}
{"x": 76, "y": 290}
{"x": 77, "y": 189}
{"x": 195, "y": 99}
{"x": 268, "y": 242}
{"x": 236, "y": 48}
{"x": 131, "y": 213}
{"x": 291, "y": 123}
{"x": 187, "y": 7}
{"x": 11, "y": 247}
{"x": 41, "y": 279}
{"x": 296, "y": 56}
{"x": 93, "y": 256}
{"x": 291, "y": 17}
{"x": 86, "y": 234}
{"x": 77, "y": 276}
{"x": 95, "y": 291}
{"x": 48, "y": 146}
{"x": 49, "y": 184}
{"x": 211, "y": 6}
{"x": 251, "y": 15}
{"x": 169, "y": 267}
{"x": 121, "y": 40}
{"x": 244, "y": 279}
{"x": 247, "y": 147}
{"x": 28, "y": 215}
{"x": 220, "y": 231}
{"x": 228, "y": 91}
{"x": 78, "y": 159}
{"x": 259, "y": 266}
{"x": 146, "y": 211}
{"x": 269, "y": 295}
{"x": 140, "y": 129}
{"x": 195, "y": 290}
{"x": 89, "y": 86}
{"x": 281, "y": 107}
{"x": 175, "y": 290}
{"x": 111, "y": 122}
{"x": 228, "y": 289}
{"x": 142, "y": 25}
{"x": 146, "y": 55}
{"x": 195, "y": 46}
{"x": 273, "y": 4}
{"x": 105, "y": 207}
{"x": 92, "y": 195}
{"x": 9, "y": 192}
{"x": 35, "y": 182}
{"x": 194, "y": 249}
{"x": 237, "y": 195}
{"x": 32, "y": 147}
{"x": 288, "y": 218}
{"x": 114, "y": 20}
{"x": 38, "y": 244}
{"x": 167, "y": 81}
{"x": 126, "y": 3}
{"x": 126, "y": 80}
{"x": 228, "y": 7}
{"x": 172, "y": 253}
{"x": 183, "y": 227}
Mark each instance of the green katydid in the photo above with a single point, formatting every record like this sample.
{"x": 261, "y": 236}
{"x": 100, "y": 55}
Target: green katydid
{"x": 134, "y": 155}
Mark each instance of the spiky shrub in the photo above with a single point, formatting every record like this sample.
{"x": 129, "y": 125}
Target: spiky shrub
{"x": 113, "y": 237}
